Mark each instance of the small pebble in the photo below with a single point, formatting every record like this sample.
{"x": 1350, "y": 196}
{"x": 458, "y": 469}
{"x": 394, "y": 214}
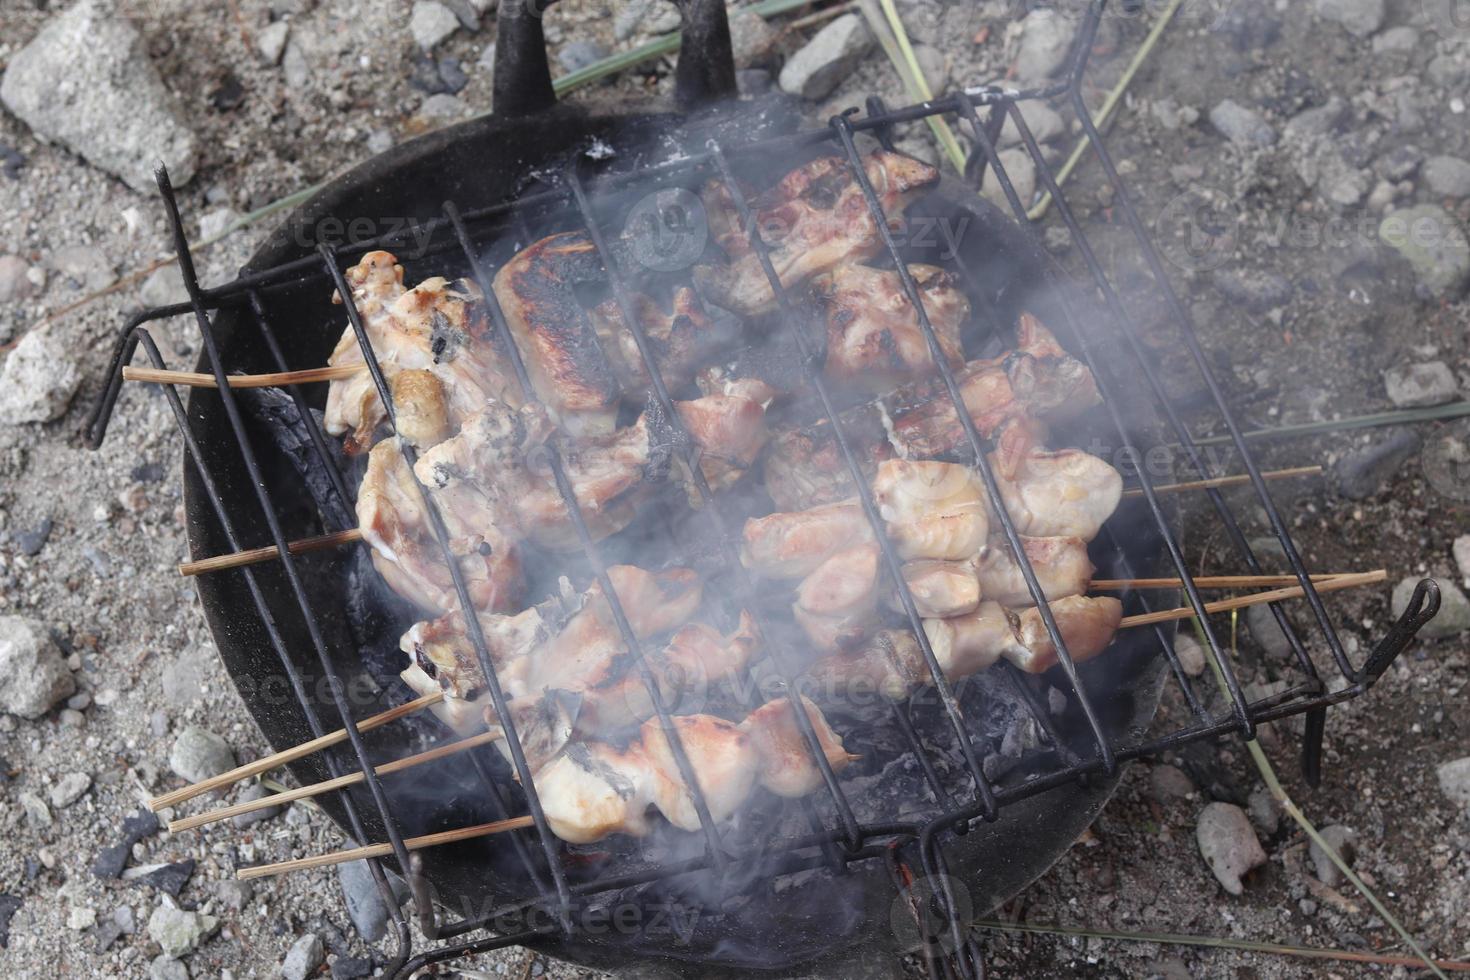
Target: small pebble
{"x": 81, "y": 918}
{"x": 1168, "y": 783}
{"x": 1191, "y": 654}
{"x": 167, "y": 968}
{"x": 1229, "y": 844}
{"x": 303, "y": 958}
{"x": 1341, "y": 839}
{"x": 248, "y": 794}
{"x": 69, "y": 789}
{"x": 38, "y": 815}
{"x": 198, "y": 754}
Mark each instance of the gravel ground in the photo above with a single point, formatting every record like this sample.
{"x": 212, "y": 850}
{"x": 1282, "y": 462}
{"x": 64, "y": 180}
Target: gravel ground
{"x": 1301, "y": 130}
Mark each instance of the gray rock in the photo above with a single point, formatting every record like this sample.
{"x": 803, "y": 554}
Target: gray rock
{"x": 183, "y": 679}
{"x": 1044, "y": 122}
{"x": 69, "y": 789}
{"x": 1461, "y": 549}
{"x": 365, "y": 906}
{"x": 1167, "y": 783}
{"x": 1264, "y": 810}
{"x": 33, "y": 675}
{"x": 165, "y": 968}
{"x": 177, "y": 932}
{"x": 1360, "y": 474}
{"x": 1191, "y": 655}
{"x": 234, "y": 893}
{"x": 351, "y": 967}
{"x": 249, "y": 793}
{"x": 198, "y": 754}
{"x": 38, "y": 815}
{"x": 1454, "y": 781}
{"x": 84, "y": 266}
{"x": 1021, "y": 170}
{"x": 443, "y": 106}
{"x": 1045, "y": 42}
{"x": 431, "y": 23}
{"x": 1433, "y": 242}
{"x": 1241, "y": 126}
{"x": 39, "y": 378}
{"x": 1267, "y": 633}
{"x": 1228, "y": 843}
{"x": 824, "y": 61}
{"x": 123, "y": 916}
{"x": 1322, "y": 120}
{"x": 305, "y": 955}
{"x": 1454, "y": 608}
{"x": 1396, "y": 40}
{"x": 580, "y": 54}
{"x": 1360, "y": 17}
{"x": 1401, "y": 162}
{"x": 1171, "y": 115}
{"x": 81, "y": 918}
{"x": 271, "y": 41}
{"x": 294, "y": 66}
{"x": 467, "y": 12}
{"x": 213, "y": 224}
{"x": 86, "y": 81}
{"x": 753, "y": 40}
{"x": 1414, "y": 385}
{"x": 1448, "y": 176}
{"x": 164, "y": 287}
{"x": 649, "y": 17}
{"x": 1258, "y": 290}
{"x": 1344, "y": 841}
{"x": 14, "y": 284}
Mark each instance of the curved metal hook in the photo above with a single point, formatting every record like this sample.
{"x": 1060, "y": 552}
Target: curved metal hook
{"x": 1423, "y": 606}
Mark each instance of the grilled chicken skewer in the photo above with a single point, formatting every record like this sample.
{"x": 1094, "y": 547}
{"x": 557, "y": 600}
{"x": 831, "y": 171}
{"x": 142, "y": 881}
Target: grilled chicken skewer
{"x": 874, "y": 343}
{"x": 1011, "y": 398}
{"x": 593, "y": 789}
{"x": 435, "y": 346}
{"x": 814, "y": 220}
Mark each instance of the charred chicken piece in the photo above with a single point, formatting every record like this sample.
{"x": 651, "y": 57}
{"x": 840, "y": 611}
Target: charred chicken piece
{"x": 593, "y": 789}
{"x": 682, "y": 339}
{"x": 392, "y": 518}
{"x": 874, "y": 341}
{"x": 572, "y": 646}
{"x": 439, "y": 331}
{"x": 1010, "y": 399}
{"x": 814, "y": 220}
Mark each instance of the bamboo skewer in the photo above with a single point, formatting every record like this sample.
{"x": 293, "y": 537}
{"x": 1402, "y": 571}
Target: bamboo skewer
{"x": 1209, "y": 582}
{"x": 324, "y": 542}
{"x": 1255, "y": 599}
{"x": 1239, "y": 479}
{"x": 320, "y": 542}
{"x": 195, "y": 379}
{"x": 1331, "y": 584}
{"x": 383, "y": 850}
{"x": 327, "y": 785}
{"x": 289, "y": 755}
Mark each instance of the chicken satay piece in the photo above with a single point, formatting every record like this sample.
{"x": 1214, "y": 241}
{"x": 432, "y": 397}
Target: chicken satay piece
{"x": 814, "y": 220}
{"x": 787, "y": 766}
{"x": 965, "y": 645}
{"x": 423, "y": 410}
{"x": 836, "y": 604}
{"x": 792, "y": 545}
{"x": 940, "y": 588}
{"x": 722, "y": 756}
{"x": 933, "y": 510}
{"x": 890, "y": 665}
{"x": 593, "y": 789}
{"x": 568, "y": 367}
{"x": 392, "y": 518}
{"x": 439, "y": 327}
{"x": 805, "y": 468}
{"x": 1061, "y": 565}
{"x": 681, "y": 339}
{"x": 1068, "y": 493}
{"x": 874, "y": 341}
{"x": 728, "y": 432}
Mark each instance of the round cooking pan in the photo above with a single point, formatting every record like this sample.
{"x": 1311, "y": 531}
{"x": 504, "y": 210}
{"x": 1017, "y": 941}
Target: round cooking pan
{"x": 480, "y": 163}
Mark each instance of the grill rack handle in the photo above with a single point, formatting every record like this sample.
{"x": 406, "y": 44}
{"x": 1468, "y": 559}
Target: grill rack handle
{"x": 522, "y": 85}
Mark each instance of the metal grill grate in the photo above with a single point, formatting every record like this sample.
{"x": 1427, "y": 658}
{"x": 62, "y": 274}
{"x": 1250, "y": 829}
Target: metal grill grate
{"x": 950, "y": 950}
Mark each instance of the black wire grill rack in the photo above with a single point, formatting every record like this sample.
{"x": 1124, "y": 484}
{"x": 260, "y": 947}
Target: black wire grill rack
{"x": 948, "y": 946}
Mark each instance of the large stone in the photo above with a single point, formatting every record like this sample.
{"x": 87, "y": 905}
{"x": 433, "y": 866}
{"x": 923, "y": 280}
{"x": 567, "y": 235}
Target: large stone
{"x": 199, "y": 754}
{"x": 1433, "y": 242}
{"x": 86, "y": 81}
{"x": 431, "y": 23}
{"x": 33, "y": 675}
{"x": 1044, "y": 45}
{"x": 177, "y": 932}
{"x": 1448, "y": 176}
{"x": 1417, "y": 385}
{"x": 1242, "y": 126}
{"x": 824, "y": 61}
{"x": 1361, "y": 473}
{"x": 1360, "y": 17}
{"x": 1045, "y": 123}
{"x": 271, "y": 41}
{"x": 1454, "y": 781}
{"x": 304, "y": 956}
{"x": 1228, "y": 843}
{"x": 1454, "y": 608}
{"x": 39, "y": 378}
{"x": 365, "y": 906}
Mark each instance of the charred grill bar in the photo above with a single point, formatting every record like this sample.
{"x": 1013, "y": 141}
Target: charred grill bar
{"x": 849, "y": 842}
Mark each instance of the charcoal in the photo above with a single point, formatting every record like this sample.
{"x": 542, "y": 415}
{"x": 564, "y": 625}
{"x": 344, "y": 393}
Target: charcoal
{"x": 9, "y": 905}
{"x": 275, "y": 410}
{"x": 110, "y": 861}
{"x": 170, "y": 878}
